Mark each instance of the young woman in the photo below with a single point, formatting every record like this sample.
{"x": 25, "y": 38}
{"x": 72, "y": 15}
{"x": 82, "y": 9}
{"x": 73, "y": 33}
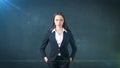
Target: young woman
{"x": 59, "y": 37}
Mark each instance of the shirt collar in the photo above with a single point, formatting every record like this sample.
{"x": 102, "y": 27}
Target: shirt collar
{"x": 63, "y": 30}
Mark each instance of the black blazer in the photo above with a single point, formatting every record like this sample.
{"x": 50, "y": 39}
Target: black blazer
{"x": 54, "y": 49}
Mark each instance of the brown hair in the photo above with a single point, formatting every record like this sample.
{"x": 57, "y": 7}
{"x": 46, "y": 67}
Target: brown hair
{"x": 64, "y": 24}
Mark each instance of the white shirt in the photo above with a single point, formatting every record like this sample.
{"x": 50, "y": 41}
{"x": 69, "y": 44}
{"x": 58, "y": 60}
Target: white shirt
{"x": 59, "y": 37}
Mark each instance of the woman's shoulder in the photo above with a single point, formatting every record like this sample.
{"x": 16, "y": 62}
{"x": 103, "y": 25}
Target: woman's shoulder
{"x": 68, "y": 30}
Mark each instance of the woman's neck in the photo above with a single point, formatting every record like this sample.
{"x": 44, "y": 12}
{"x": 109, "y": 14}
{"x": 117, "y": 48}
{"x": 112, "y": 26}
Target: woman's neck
{"x": 59, "y": 29}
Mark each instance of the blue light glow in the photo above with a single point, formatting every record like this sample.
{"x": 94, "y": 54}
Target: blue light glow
{"x": 3, "y": 4}
{"x": 6, "y": 4}
{"x": 1, "y": 1}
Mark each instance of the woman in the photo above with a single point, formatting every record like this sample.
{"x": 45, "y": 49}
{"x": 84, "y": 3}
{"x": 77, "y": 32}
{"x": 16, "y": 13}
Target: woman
{"x": 59, "y": 37}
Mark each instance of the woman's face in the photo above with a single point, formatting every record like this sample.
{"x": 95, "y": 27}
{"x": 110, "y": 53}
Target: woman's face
{"x": 58, "y": 20}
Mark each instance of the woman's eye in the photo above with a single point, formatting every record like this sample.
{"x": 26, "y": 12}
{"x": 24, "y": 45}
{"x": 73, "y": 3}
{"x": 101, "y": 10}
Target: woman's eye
{"x": 56, "y": 19}
{"x": 61, "y": 20}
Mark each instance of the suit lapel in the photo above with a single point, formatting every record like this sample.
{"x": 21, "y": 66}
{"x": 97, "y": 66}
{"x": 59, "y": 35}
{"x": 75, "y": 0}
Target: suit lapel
{"x": 64, "y": 37}
{"x": 54, "y": 38}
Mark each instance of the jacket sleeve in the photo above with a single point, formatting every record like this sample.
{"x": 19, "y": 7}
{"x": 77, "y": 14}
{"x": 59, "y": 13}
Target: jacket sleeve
{"x": 73, "y": 45}
{"x": 44, "y": 44}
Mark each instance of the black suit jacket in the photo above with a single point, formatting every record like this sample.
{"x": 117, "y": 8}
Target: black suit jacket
{"x": 54, "y": 49}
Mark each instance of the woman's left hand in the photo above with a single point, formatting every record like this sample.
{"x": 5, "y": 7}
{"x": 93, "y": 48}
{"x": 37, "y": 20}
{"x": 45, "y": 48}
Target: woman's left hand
{"x": 70, "y": 59}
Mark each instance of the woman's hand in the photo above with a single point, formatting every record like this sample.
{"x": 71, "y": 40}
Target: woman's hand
{"x": 46, "y": 59}
{"x": 70, "y": 59}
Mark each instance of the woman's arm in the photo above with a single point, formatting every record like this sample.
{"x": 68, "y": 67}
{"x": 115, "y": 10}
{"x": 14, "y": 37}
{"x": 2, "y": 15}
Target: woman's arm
{"x": 44, "y": 44}
{"x": 73, "y": 46}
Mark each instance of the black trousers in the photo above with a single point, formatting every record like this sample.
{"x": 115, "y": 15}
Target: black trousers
{"x": 58, "y": 63}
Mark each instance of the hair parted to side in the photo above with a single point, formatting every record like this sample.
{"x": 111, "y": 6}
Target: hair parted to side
{"x": 64, "y": 23}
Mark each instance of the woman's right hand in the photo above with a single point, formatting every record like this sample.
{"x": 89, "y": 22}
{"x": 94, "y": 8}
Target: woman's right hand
{"x": 46, "y": 59}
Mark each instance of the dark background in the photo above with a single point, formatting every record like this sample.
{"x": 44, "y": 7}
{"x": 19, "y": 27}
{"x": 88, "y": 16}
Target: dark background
{"x": 95, "y": 25}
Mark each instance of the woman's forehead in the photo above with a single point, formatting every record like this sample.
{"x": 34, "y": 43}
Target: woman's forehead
{"x": 58, "y": 16}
